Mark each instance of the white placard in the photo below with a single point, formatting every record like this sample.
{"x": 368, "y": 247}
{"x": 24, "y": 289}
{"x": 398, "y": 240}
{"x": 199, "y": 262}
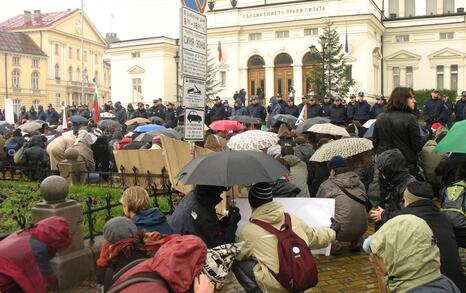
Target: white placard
{"x": 315, "y": 212}
{"x": 194, "y": 124}
{"x": 9, "y": 112}
{"x": 194, "y": 64}
{"x": 193, "y": 20}
{"x": 193, "y": 92}
{"x": 194, "y": 41}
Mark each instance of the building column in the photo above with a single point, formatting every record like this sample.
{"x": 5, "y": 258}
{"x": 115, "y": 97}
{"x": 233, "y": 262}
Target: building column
{"x": 446, "y": 76}
{"x": 269, "y": 81}
{"x": 242, "y": 82}
{"x": 298, "y": 80}
{"x": 402, "y": 76}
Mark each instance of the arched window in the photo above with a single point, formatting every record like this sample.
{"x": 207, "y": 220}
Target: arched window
{"x": 311, "y": 58}
{"x": 78, "y": 74}
{"x": 57, "y": 71}
{"x": 35, "y": 80}
{"x": 283, "y": 59}
{"x": 70, "y": 73}
{"x": 256, "y": 61}
{"x": 15, "y": 78}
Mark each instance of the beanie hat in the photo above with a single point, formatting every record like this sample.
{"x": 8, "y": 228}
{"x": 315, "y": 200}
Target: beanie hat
{"x": 219, "y": 261}
{"x": 119, "y": 228}
{"x": 411, "y": 197}
{"x": 337, "y": 162}
{"x": 259, "y": 194}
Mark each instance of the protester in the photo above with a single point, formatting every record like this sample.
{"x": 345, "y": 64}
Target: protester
{"x": 239, "y": 109}
{"x": 282, "y": 187}
{"x": 120, "y": 113}
{"x": 130, "y": 112}
{"x": 303, "y": 149}
{"x": 350, "y": 107}
{"x": 298, "y": 170}
{"x": 25, "y": 256}
{"x": 52, "y": 115}
{"x": 36, "y": 159}
{"x": 228, "y": 109}
{"x": 101, "y": 152}
{"x": 83, "y": 146}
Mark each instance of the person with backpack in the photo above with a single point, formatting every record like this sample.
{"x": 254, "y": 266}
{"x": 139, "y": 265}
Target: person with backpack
{"x": 13, "y": 144}
{"x": 260, "y": 266}
{"x": 36, "y": 159}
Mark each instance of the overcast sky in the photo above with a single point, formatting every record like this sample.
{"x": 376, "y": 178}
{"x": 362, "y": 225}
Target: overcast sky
{"x": 132, "y": 18}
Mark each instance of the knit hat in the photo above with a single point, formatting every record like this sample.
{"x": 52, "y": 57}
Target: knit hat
{"x": 119, "y": 228}
{"x": 410, "y": 196}
{"x": 219, "y": 261}
{"x": 337, "y": 162}
{"x": 259, "y": 194}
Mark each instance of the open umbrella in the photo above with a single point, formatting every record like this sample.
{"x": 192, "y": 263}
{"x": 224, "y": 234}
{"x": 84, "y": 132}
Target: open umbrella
{"x": 145, "y": 137}
{"x": 170, "y": 132}
{"x": 106, "y": 115}
{"x": 137, "y": 120}
{"x": 454, "y": 141}
{"x": 285, "y": 118}
{"x": 252, "y": 140}
{"x": 231, "y": 168}
{"x": 5, "y": 127}
{"x": 79, "y": 119}
{"x": 246, "y": 119}
{"x": 328, "y": 128}
{"x": 226, "y": 126}
{"x": 108, "y": 123}
{"x": 306, "y": 124}
{"x": 345, "y": 147}
{"x": 369, "y": 123}
{"x": 148, "y": 128}
{"x": 31, "y": 126}
{"x": 156, "y": 120}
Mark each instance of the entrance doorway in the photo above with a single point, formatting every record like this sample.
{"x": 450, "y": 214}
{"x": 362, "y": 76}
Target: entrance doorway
{"x": 283, "y": 75}
{"x": 256, "y": 76}
{"x": 310, "y": 64}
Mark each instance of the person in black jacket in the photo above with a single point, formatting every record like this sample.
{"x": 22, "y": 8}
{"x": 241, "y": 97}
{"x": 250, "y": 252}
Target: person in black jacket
{"x": 350, "y": 107}
{"x": 256, "y": 110}
{"x": 362, "y": 109}
{"x": 228, "y": 109}
{"x": 41, "y": 115}
{"x": 36, "y": 159}
{"x": 435, "y": 110}
{"x": 141, "y": 111}
{"x": 379, "y": 107}
{"x": 448, "y": 110}
{"x": 337, "y": 113}
{"x": 120, "y": 113}
{"x": 398, "y": 128}
{"x": 170, "y": 116}
{"x": 158, "y": 109}
{"x": 32, "y": 114}
{"x": 418, "y": 201}
{"x": 101, "y": 152}
{"x": 460, "y": 107}
{"x": 218, "y": 111}
{"x": 239, "y": 109}
{"x": 327, "y": 105}
{"x": 313, "y": 108}
{"x": 291, "y": 108}
{"x": 52, "y": 115}
{"x": 130, "y": 112}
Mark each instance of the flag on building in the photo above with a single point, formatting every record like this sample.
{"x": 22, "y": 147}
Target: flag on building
{"x": 64, "y": 119}
{"x": 95, "y": 106}
{"x": 346, "y": 42}
{"x": 220, "y": 54}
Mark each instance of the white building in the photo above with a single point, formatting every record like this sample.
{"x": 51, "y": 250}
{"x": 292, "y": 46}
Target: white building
{"x": 143, "y": 70}
{"x": 265, "y": 43}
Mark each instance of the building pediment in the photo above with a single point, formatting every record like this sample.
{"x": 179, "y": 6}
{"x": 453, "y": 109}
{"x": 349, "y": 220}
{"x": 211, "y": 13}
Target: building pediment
{"x": 446, "y": 53}
{"x": 136, "y": 70}
{"x": 403, "y": 55}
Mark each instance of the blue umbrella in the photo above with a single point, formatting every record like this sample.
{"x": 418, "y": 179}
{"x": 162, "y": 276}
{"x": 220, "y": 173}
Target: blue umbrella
{"x": 148, "y": 128}
{"x": 370, "y": 131}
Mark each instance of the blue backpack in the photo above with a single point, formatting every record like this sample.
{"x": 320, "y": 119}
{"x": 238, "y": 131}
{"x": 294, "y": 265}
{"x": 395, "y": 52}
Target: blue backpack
{"x": 11, "y": 147}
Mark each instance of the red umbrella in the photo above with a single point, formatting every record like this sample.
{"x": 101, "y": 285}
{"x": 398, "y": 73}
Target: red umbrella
{"x": 227, "y": 126}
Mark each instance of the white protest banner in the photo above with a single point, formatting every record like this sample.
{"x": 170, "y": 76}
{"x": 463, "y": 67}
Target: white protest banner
{"x": 315, "y": 212}
{"x": 9, "y": 112}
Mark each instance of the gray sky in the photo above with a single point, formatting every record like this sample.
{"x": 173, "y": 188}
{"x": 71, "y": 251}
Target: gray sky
{"x": 133, "y": 18}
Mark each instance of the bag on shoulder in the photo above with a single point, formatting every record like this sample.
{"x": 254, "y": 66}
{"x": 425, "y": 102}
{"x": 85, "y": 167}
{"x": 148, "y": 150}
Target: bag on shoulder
{"x": 297, "y": 266}
{"x": 18, "y": 156}
{"x": 453, "y": 202}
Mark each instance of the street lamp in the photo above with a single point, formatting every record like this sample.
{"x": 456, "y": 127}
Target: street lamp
{"x": 177, "y": 61}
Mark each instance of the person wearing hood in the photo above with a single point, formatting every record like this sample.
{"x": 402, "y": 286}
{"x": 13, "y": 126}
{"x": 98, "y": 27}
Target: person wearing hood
{"x": 379, "y": 107}
{"x": 136, "y": 206}
{"x": 36, "y": 158}
{"x": 275, "y": 109}
{"x": 284, "y": 134}
{"x": 196, "y": 215}
{"x": 101, "y": 152}
{"x": 258, "y": 259}
{"x": 350, "y": 197}
{"x": 56, "y": 149}
{"x": 120, "y": 113}
{"x": 418, "y": 201}
{"x": 83, "y": 146}
{"x": 394, "y": 170}
{"x": 407, "y": 264}
{"x": 239, "y": 109}
{"x": 298, "y": 170}
{"x": 25, "y": 256}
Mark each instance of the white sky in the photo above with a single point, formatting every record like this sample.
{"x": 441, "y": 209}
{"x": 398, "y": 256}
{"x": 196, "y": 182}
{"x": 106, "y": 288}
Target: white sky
{"x": 133, "y": 18}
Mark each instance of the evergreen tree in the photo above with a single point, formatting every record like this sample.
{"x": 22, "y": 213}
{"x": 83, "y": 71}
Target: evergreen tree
{"x": 212, "y": 85}
{"x": 332, "y": 77}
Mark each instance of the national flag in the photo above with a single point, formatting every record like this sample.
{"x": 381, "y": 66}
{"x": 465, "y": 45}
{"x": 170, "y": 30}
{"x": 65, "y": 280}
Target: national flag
{"x": 64, "y": 119}
{"x": 346, "y": 42}
{"x": 220, "y": 54}
{"x": 95, "y": 106}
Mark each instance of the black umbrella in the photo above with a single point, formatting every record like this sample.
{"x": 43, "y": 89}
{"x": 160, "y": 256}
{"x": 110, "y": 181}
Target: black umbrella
{"x": 79, "y": 119}
{"x": 231, "y": 168}
{"x": 311, "y": 121}
{"x": 6, "y": 127}
{"x": 170, "y": 132}
{"x": 156, "y": 120}
{"x": 108, "y": 123}
{"x": 285, "y": 118}
{"x": 246, "y": 119}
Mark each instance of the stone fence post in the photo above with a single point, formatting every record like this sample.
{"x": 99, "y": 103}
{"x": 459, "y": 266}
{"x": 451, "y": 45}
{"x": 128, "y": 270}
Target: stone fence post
{"x": 71, "y": 169}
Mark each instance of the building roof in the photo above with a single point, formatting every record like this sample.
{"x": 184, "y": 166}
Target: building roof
{"x": 37, "y": 19}
{"x": 19, "y": 43}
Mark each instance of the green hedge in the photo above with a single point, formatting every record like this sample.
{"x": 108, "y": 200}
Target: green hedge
{"x": 423, "y": 95}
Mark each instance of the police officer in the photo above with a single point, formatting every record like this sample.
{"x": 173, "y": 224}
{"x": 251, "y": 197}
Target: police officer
{"x": 326, "y": 105}
{"x": 460, "y": 108}
{"x": 337, "y": 113}
{"x": 362, "y": 109}
{"x": 379, "y": 107}
{"x": 435, "y": 110}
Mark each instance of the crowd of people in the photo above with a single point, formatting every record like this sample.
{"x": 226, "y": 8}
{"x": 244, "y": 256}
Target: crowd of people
{"x": 414, "y": 247}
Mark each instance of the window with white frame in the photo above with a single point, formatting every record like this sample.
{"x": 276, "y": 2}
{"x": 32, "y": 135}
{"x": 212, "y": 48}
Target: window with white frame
{"x": 282, "y": 34}
{"x": 440, "y": 76}
{"x": 57, "y": 71}
{"x": 35, "y": 80}
{"x": 15, "y": 78}
{"x": 137, "y": 85}
{"x": 311, "y": 31}
{"x": 15, "y": 60}
{"x": 255, "y": 36}
{"x": 35, "y": 63}
{"x": 17, "y": 107}
{"x": 402, "y": 38}
{"x": 396, "y": 76}
{"x": 454, "y": 77}
{"x": 35, "y": 104}
{"x": 223, "y": 78}
{"x": 409, "y": 76}
{"x": 447, "y": 35}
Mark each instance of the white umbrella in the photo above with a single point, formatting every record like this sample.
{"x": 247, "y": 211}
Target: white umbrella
{"x": 328, "y": 128}
{"x": 345, "y": 147}
{"x": 369, "y": 123}
{"x": 252, "y": 140}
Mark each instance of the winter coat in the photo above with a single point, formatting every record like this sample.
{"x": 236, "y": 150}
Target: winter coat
{"x": 85, "y": 155}
{"x": 377, "y": 109}
{"x": 240, "y": 111}
{"x": 170, "y": 118}
{"x": 41, "y": 115}
{"x": 398, "y": 129}
{"x": 312, "y": 110}
{"x": 304, "y": 152}
{"x": 152, "y": 220}
{"x": 36, "y": 158}
{"x": 450, "y": 262}
{"x": 120, "y": 114}
{"x": 178, "y": 262}
{"x": 158, "y": 111}
{"x": 101, "y": 154}
{"x": 276, "y": 108}
{"x": 351, "y": 215}
{"x": 57, "y": 148}
{"x": 298, "y": 174}
{"x": 25, "y": 256}
{"x": 140, "y": 113}
{"x": 362, "y": 111}
{"x": 350, "y": 111}
{"x": 326, "y": 109}
{"x": 411, "y": 262}
{"x": 460, "y": 110}
{"x": 435, "y": 111}
{"x": 257, "y": 111}
{"x": 131, "y": 114}
{"x": 337, "y": 114}
{"x": 31, "y": 115}
{"x": 217, "y": 113}
{"x": 196, "y": 215}
{"x": 283, "y": 188}
{"x": 261, "y": 246}
{"x": 293, "y": 110}
{"x": 318, "y": 173}
{"x": 428, "y": 160}
{"x": 228, "y": 111}
{"x": 52, "y": 117}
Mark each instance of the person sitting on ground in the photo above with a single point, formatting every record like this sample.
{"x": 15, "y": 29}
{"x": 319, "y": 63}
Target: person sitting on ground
{"x": 35, "y": 158}
{"x": 83, "y": 146}
{"x": 298, "y": 170}
{"x": 258, "y": 260}
{"x": 25, "y": 256}
{"x": 136, "y": 206}
{"x": 407, "y": 264}
{"x": 196, "y": 215}
{"x": 418, "y": 201}
{"x": 350, "y": 197}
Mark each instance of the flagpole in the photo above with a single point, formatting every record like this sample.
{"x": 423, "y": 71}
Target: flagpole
{"x": 82, "y": 51}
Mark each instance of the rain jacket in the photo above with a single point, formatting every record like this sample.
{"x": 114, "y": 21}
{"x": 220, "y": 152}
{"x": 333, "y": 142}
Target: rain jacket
{"x": 36, "y": 158}
{"x": 152, "y": 220}
{"x": 298, "y": 174}
{"x": 57, "y": 148}
{"x": 276, "y": 108}
{"x": 362, "y": 111}
{"x": 25, "y": 255}
{"x": 412, "y": 263}
{"x": 351, "y": 215}
{"x": 428, "y": 160}
{"x": 260, "y": 245}
{"x": 177, "y": 262}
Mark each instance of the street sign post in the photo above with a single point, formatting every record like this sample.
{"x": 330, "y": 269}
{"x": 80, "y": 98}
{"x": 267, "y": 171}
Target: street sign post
{"x": 194, "y": 124}
{"x": 193, "y": 92}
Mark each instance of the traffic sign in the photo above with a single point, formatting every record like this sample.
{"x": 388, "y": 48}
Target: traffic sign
{"x": 194, "y": 92}
{"x": 194, "y": 124}
{"x": 194, "y": 64}
{"x": 194, "y": 41}
{"x": 193, "y": 20}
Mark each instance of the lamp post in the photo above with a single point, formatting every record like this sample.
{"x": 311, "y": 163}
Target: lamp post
{"x": 177, "y": 61}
